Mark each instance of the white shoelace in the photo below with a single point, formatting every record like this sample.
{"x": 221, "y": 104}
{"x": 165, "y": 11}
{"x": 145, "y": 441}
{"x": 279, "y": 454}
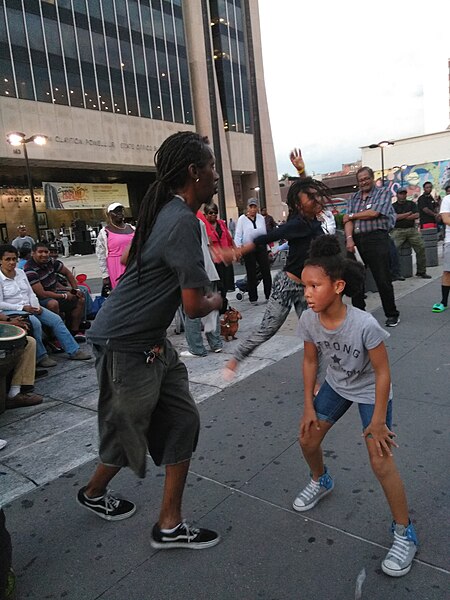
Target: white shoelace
{"x": 111, "y": 503}
{"x": 310, "y": 491}
{"x": 400, "y": 548}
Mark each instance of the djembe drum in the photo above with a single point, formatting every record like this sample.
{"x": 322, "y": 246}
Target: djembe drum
{"x": 13, "y": 340}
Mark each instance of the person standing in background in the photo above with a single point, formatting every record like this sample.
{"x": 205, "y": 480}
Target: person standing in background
{"x": 439, "y": 307}
{"x": 232, "y": 227}
{"x": 219, "y": 237}
{"x": 22, "y": 240}
{"x": 428, "y": 215}
{"x": 270, "y": 221}
{"x": 112, "y": 241}
{"x": 405, "y": 231}
{"x": 369, "y": 219}
{"x": 249, "y": 227}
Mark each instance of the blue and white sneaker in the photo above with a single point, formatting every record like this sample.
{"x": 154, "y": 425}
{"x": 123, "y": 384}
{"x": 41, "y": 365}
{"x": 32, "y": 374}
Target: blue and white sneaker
{"x": 313, "y": 492}
{"x": 398, "y": 561}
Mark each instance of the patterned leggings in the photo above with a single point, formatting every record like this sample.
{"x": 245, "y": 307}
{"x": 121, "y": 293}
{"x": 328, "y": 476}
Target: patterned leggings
{"x": 285, "y": 294}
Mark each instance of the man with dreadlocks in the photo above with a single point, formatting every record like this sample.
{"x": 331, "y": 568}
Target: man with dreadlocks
{"x": 306, "y": 200}
{"x": 144, "y": 400}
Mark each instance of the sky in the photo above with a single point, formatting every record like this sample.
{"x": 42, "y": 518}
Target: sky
{"x": 340, "y": 75}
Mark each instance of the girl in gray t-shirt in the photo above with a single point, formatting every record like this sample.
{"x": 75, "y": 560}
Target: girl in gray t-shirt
{"x": 350, "y": 343}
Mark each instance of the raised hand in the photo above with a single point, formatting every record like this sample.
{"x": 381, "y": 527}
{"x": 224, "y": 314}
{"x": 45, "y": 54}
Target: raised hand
{"x": 297, "y": 161}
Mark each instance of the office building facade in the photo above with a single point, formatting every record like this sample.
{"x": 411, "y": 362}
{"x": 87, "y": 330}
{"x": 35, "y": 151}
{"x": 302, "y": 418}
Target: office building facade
{"x": 107, "y": 81}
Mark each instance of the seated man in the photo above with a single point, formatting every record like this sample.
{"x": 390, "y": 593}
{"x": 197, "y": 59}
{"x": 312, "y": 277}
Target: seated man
{"x": 17, "y": 297}
{"x": 22, "y": 383}
{"x": 62, "y": 280}
{"x": 42, "y": 272}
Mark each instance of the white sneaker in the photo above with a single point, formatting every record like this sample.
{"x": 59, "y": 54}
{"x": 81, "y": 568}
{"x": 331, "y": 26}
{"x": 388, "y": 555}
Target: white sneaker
{"x": 2, "y": 444}
{"x": 313, "y": 493}
{"x": 187, "y": 354}
{"x": 398, "y": 560}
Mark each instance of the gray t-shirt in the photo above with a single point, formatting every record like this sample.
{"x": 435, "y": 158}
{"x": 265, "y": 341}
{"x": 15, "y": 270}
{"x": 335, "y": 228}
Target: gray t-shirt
{"x": 20, "y": 242}
{"x": 137, "y": 314}
{"x": 345, "y": 352}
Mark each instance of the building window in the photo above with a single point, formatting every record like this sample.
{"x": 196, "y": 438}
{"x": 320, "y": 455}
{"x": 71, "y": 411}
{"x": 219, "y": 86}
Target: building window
{"x": 230, "y": 60}
{"x": 123, "y": 56}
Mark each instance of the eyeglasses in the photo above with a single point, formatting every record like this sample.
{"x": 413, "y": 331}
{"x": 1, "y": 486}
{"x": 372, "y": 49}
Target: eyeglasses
{"x": 364, "y": 179}
{"x": 211, "y": 212}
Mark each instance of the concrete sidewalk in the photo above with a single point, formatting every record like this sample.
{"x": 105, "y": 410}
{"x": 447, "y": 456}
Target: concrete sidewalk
{"x": 245, "y": 474}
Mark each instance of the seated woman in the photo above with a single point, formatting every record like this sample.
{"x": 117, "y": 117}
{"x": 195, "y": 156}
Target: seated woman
{"x": 17, "y": 298}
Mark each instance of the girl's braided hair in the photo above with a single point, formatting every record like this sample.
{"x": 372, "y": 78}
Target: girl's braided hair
{"x": 325, "y": 252}
{"x": 172, "y": 160}
{"x": 306, "y": 184}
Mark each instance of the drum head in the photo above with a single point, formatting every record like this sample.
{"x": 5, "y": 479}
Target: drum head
{"x": 10, "y": 333}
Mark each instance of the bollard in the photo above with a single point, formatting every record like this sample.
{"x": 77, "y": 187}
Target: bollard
{"x": 405, "y": 256}
{"x": 430, "y": 239}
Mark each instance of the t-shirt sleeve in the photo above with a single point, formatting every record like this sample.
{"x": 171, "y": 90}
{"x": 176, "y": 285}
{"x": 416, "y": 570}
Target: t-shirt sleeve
{"x": 304, "y": 327}
{"x": 33, "y": 277}
{"x": 184, "y": 255}
{"x": 445, "y": 205}
{"x": 373, "y": 334}
{"x": 57, "y": 265}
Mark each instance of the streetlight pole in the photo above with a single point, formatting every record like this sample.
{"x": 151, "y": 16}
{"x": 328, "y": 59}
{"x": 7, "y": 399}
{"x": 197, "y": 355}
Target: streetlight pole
{"x": 382, "y": 146}
{"x": 30, "y": 187}
{"x": 18, "y": 139}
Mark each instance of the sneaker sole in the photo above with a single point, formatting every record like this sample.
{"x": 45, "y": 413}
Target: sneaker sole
{"x": 392, "y": 324}
{"x": 108, "y": 517}
{"x": 313, "y": 504}
{"x": 394, "y": 573}
{"x": 185, "y": 545}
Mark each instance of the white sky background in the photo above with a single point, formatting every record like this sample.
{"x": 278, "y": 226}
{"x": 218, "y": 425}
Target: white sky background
{"x": 340, "y": 75}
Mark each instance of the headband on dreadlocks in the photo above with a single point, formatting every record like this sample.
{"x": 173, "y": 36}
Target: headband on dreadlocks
{"x": 306, "y": 184}
{"x": 172, "y": 161}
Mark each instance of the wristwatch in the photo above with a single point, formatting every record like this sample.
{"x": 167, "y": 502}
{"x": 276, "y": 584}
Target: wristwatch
{"x": 351, "y": 215}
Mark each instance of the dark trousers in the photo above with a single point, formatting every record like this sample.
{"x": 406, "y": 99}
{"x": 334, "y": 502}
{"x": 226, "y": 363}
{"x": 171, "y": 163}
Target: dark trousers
{"x": 258, "y": 257}
{"x": 394, "y": 259}
{"x": 374, "y": 249}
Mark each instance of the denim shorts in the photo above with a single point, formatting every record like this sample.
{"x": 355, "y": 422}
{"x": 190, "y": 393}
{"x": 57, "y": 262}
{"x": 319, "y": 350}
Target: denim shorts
{"x": 330, "y": 406}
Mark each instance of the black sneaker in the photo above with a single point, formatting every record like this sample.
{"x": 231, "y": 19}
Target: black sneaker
{"x": 184, "y": 536}
{"x": 392, "y": 321}
{"x": 398, "y": 278}
{"x": 423, "y": 275}
{"x": 108, "y": 506}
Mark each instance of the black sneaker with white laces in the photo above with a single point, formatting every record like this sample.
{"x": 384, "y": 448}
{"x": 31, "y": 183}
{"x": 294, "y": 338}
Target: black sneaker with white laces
{"x": 184, "y": 536}
{"x": 392, "y": 321}
{"x": 107, "y": 506}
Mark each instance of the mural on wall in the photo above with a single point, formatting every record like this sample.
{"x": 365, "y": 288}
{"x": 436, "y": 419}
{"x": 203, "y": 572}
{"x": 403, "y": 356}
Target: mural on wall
{"x": 413, "y": 177}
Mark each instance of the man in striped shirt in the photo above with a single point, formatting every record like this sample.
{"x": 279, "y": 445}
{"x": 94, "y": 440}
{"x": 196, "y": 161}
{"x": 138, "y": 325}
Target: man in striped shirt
{"x": 370, "y": 216}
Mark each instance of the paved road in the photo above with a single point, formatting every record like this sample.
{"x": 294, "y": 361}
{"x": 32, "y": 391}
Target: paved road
{"x": 242, "y": 481}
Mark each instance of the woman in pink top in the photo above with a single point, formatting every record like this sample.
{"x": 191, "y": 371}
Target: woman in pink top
{"x": 219, "y": 237}
{"x": 112, "y": 241}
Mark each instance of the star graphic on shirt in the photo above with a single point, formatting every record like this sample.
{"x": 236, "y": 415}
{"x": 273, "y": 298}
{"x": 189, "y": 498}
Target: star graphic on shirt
{"x": 336, "y": 359}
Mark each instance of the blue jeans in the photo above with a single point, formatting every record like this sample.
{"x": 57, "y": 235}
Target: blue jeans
{"x": 56, "y": 324}
{"x": 88, "y": 302}
{"x": 331, "y": 406}
{"x": 193, "y": 332}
